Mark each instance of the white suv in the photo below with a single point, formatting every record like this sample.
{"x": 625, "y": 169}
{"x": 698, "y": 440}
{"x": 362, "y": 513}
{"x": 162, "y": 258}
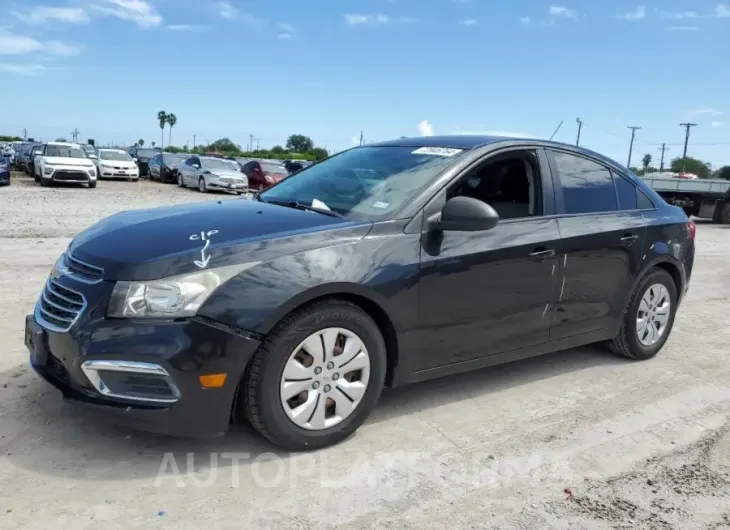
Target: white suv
{"x": 64, "y": 162}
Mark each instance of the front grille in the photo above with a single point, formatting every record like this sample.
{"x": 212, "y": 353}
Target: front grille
{"x": 71, "y": 176}
{"x": 83, "y": 270}
{"x": 59, "y": 307}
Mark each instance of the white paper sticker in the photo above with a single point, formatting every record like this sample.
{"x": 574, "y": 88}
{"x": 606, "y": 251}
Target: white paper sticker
{"x": 437, "y": 151}
{"x": 382, "y": 205}
{"x": 316, "y": 203}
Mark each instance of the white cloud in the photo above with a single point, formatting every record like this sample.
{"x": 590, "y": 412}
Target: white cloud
{"x": 140, "y": 12}
{"x": 284, "y": 36}
{"x": 226, "y": 10}
{"x": 20, "y": 45}
{"x": 468, "y": 22}
{"x": 638, "y": 14}
{"x": 425, "y": 128}
{"x": 22, "y": 69}
{"x": 42, "y": 14}
{"x": 718, "y": 124}
{"x": 506, "y": 134}
{"x": 679, "y": 15}
{"x": 286, "y": 27}
{"x": 359, "y": 19}
{"x": 562, "y": 12}
{"x": 699, "y": 111}
{"x": 184, "y": 27}
{"x": 681, "y": 28}
{"x": 722, "y": 10}
{"x": 525, "y": 20}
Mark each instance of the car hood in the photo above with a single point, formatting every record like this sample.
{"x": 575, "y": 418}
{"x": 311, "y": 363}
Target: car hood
{"x": 166, "y": 241}
{"x": 66, "y": 161}
{"x": 228, "y": 174}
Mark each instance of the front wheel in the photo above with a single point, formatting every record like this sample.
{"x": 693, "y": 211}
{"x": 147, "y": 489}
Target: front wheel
{"x": 92, "y": 184}
{"x": 316, "y": 377}
{"x": 180, "y": 181}
{"x": 201, "y": 185}
{"x": 649, "y": 318}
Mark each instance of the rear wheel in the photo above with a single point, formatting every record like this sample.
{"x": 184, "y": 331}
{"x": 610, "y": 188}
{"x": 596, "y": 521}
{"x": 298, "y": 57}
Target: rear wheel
{"x": 649, "y": 318}
{"x": 725, "y": 214}
{"x": 316, "y": 377}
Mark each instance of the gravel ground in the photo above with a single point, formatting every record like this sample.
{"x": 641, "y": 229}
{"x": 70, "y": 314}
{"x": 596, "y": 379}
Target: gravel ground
{"x": 577, "y": 439}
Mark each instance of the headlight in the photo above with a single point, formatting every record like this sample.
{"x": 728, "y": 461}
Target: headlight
{"x": 175, "y": 297}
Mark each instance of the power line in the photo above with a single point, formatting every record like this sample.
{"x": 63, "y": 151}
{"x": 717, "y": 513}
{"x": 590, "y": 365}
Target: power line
{"x": 631, "y": 145}
{"x": 687, "y": 127}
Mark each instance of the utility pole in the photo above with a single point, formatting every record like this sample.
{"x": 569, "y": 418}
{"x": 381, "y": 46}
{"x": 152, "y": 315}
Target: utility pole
{"x": 687, "y": 127}
{"x": 631, "y": 145}
{"x": 258, "y": 140}
{"x": 361, "y": 137}
{"x": 25, "y": 134}
{"x": 250, "y": 143}
{"x": 193, "y": 141}
{"x": 580, "y": 126}
{"x": 663, "y": 149}
{"x": 75, "y": 134}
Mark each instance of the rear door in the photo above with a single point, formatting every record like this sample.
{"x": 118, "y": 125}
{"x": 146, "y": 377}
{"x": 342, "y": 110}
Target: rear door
{"x": 601, "y": 247}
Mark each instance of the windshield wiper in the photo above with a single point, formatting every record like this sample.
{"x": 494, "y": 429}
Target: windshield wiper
{"x": 302, "y": 206}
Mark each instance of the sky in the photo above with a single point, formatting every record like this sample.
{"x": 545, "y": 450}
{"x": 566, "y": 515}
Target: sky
{"x": 331, "y": 69}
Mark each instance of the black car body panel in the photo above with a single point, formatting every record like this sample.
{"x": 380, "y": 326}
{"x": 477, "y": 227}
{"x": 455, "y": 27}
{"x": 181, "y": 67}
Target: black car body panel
{"x": 445, "y": 301}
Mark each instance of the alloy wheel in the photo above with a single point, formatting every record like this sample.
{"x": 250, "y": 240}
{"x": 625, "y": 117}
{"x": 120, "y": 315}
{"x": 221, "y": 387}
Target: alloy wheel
{"x": 653, "y": 314}
{"x": 325, "y": 378}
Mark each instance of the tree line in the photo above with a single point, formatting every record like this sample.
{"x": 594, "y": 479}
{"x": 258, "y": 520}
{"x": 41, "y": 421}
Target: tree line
{"x": 695, "y": 166}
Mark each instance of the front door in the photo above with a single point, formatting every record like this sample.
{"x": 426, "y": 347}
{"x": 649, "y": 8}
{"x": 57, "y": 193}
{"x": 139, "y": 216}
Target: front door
{"x": 485, "y": 293}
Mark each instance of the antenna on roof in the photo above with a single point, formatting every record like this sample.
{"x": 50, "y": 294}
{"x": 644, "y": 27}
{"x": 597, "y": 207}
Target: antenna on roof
{"x": 557, "y": 129}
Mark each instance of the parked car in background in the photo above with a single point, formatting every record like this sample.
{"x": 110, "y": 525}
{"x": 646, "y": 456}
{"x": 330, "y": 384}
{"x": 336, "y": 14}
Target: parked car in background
{"x": 65, "y": 162}
{"x": 163, "y": 166}
{"x": 116, "y": 163}
{"x": 35, "y": 151}
{"x": 90, "y": 150}
{"x": 142, "y": 156}
{"x": 263, "y": 174}
{"x": 4, "y": 170}
{"x": 294, "y": 166}
{"x": 22, "y": 158}
{"x": 207, "y": 173}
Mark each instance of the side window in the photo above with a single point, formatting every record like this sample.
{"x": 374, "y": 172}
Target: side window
{"x": 644, "y": 202}
{"x": 510, "y": 184}
{"x": 627, "y": 194}
{"x": 587, "y": 186}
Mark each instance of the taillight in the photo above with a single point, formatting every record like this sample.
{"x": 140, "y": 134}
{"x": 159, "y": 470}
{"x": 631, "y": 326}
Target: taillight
{"x": 691, "y": 229}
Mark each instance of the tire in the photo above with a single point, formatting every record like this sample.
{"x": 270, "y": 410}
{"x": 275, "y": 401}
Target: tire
{"x": 725, "y": 214}
{"x": 627, "y": 343}
{"x": 202, "y": 188}
{"x": 92, "y": 184}
{"x": 260, "y": 401}
{"x": 36, "y": 178}
{"x": 45, "y": 182}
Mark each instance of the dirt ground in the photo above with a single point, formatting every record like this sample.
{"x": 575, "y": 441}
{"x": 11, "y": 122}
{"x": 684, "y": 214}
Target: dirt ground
{"x": 577, "y": 439}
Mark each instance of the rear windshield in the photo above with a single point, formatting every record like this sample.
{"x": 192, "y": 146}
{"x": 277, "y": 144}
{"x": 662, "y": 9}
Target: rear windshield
{"x": 147, "y": 153}
{"x": 268, "y": 167}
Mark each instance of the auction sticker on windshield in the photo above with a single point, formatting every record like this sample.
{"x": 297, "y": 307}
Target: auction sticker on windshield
{"x": 436, "y": 151}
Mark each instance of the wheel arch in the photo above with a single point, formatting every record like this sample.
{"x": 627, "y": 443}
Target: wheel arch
{"x": 367, "y": 300}
{"x": 669, "y": 265}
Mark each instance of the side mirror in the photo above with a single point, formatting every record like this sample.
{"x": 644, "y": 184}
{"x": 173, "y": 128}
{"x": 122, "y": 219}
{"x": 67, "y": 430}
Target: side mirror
{"x": 464, "y": 214}
{"x": 93, "y": 157}
{"x": 135, "y": 160}
{"x": 196, "y": 166}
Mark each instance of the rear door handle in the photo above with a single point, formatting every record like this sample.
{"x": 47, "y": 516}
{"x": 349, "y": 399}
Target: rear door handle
{"x": 629, "y": 238}
{"x": 542, "y": 253}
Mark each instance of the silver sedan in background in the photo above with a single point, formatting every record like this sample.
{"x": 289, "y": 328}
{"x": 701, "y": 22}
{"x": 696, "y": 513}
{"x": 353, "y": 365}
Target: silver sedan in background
{"x": 208, "y": 174}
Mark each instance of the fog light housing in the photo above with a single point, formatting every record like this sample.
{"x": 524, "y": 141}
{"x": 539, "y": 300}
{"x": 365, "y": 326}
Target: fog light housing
{"x": 48, "y": 171}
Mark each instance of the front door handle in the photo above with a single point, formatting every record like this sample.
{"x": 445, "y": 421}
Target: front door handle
{"x": 542, "y": 253}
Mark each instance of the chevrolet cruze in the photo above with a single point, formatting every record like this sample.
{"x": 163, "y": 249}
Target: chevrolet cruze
{"x": 383, "y": 265}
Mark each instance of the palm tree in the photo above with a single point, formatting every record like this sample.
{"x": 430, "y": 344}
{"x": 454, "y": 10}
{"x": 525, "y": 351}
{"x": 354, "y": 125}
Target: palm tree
{"x": 162, "y": 118}
{"x": 140, "y": 142}
{"x": 646, "y": 161}
{"x": 171, "y": 121}
{"x": 153, "y": 144}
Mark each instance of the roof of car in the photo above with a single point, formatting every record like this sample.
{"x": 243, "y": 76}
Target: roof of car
{"x": 112, "y": 149}
{"x": 68, "y": 144}
{"x": 464, "y": 141}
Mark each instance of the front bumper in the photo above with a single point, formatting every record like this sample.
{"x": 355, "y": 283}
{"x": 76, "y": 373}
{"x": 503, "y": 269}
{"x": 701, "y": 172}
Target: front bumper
{"x": 110, "y": 172}
{"x": 61, "y": 173}
{"x": 230, "y": 186}
{"x": 184, "y": 350}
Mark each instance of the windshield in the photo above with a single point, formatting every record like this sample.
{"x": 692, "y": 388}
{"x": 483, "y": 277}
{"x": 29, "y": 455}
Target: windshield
{"x": 65, "y": 151}
{"x": 365, "y": 182}
{"x": 147, "y": 153}
{"x": 218, "y": 163}
{"x": 268, "y": 167}
{"x": 120, "y": 156}
{"x": 88, "y": 149}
